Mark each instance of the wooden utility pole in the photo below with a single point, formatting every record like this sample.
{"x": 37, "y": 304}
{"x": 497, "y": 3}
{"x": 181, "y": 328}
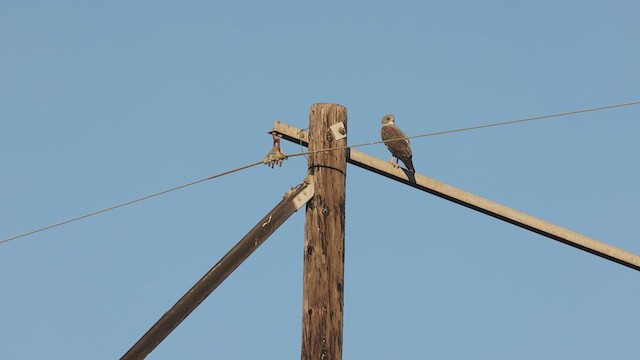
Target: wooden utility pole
{"x": 323, "y": 298}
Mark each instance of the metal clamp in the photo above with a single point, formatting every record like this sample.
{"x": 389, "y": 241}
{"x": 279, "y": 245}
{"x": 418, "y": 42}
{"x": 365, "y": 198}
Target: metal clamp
{"x": 306, "y": 194}
{"x": 339, "y": 131}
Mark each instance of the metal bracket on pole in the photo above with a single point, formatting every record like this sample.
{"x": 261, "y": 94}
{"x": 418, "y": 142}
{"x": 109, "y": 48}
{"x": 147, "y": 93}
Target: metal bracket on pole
{"x": 339, "y": 131}
{"x": 306, "y": 194}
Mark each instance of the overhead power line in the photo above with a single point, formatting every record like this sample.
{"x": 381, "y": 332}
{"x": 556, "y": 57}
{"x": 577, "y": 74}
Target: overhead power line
{"x": 131, "y": 202}
{"x": 510, "y": 122}
{"x": 529, "y": 119}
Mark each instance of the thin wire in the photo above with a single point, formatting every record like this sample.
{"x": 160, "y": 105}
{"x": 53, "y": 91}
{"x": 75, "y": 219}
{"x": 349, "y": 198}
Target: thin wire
{"x": 530, "y": 119}
{"x": 131, "y": 202}
{"x": 510, "y": 122}
{"x": 314, "y": 152}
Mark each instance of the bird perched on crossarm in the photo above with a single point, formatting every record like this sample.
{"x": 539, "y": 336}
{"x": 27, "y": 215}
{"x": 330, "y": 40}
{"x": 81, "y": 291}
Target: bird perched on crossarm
{"x": 397, "y": 142}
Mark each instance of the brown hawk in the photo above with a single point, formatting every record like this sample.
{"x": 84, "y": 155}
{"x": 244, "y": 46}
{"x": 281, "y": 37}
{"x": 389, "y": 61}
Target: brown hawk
{"x": 397, "y": 142}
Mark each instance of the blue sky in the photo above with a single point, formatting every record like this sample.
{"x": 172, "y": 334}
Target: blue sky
{"x": 103, "y": 102}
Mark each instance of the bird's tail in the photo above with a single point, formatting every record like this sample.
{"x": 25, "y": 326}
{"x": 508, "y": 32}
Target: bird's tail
{"x": 409, "y": 164}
